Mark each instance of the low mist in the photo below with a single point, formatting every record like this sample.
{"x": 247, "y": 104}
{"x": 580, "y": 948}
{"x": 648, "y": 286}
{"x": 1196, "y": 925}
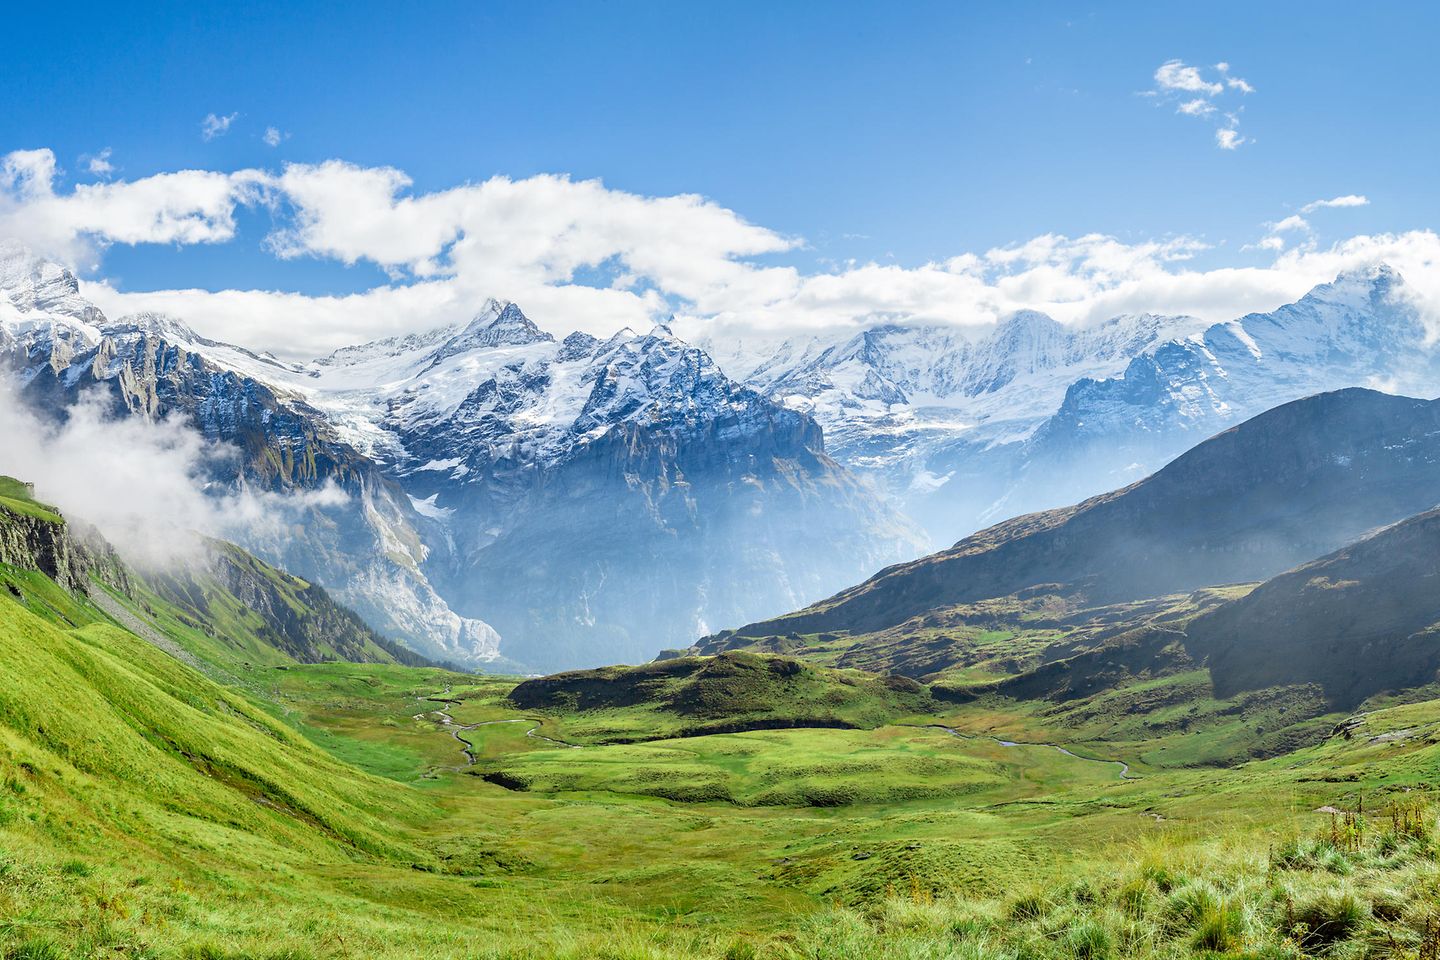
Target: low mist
{"x": 145, "y": 485}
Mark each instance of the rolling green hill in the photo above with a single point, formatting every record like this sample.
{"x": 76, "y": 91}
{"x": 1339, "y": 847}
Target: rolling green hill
{"x": 694, "y": 696}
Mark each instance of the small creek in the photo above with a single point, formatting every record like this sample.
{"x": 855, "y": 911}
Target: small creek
{"x": 1124, "y": 767}
{"x": 467, "y": 747}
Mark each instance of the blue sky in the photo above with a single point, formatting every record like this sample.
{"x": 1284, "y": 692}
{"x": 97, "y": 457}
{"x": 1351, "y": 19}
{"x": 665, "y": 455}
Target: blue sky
{"x": 899, "y": 134}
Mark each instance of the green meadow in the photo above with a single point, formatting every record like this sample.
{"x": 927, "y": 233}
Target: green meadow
{"x": 273, "y": 809}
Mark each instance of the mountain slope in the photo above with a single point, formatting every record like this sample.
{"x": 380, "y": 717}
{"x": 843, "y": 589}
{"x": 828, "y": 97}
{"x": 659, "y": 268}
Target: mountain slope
{"x": 593, "y": 499}
{"x": 600, "y": 495}
{"x": 1360, "y": 621}
{"x": 1281, "y": 488}
{"x": 964, "y": 430}
{"x": 225, "y": 605}
{"x": 357, "y": 532}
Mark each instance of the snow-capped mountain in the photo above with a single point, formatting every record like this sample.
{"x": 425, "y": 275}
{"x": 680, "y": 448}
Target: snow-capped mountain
{"x": 368, "y": 549}
{"x": 601, "y": 497}
{"x": 1364, "y": 329}
{"x": 962, "y": 431}
{"x": 595, "y": 500}
{"x": 922, "y": 408}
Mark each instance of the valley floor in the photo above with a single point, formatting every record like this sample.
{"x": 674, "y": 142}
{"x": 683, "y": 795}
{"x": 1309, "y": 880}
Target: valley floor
{"x": 905, "y": 840}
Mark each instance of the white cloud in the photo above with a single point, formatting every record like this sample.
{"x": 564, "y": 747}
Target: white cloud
{"x": 215, "y": 125}
{"x": 1234, "y": 83}
{"x": 272, "y": 136}
{"x": 185, "y": 207}
{"x": 1349, "y": 200}
{"x": 578, "y": 255}
{"x": 99, "y": 164}
{"x": 1296, "y": 222}
{"x": 1195, "y": 95}
{"x": 1176, "y": 75}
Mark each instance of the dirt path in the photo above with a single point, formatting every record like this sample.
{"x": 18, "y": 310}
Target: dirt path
{"x": 121, "y": 615}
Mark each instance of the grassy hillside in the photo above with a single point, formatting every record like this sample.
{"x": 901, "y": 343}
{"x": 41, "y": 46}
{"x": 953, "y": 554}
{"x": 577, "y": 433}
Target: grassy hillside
{"x": 1362, "y": 621}
{"x": 692, "y": 696}
{"x": 17, "y": 497}
{"x": 125, "y": 771}
{"x": 233, "y": 607}
{"x": 1070, "y": 782}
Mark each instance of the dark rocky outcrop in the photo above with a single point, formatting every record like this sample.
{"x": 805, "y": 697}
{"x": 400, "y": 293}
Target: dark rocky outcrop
{"x": 68, "y": 554}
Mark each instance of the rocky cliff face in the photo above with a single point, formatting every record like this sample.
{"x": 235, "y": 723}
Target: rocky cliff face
{"x": 603, "y": 497}
{"x": 288, "y": 613}
{"x": 69, "y": 556}
{"x": 596, "y": 499}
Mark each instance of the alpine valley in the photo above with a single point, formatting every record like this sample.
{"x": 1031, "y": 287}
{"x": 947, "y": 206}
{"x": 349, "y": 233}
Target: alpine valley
{"x": 489, "y": 494}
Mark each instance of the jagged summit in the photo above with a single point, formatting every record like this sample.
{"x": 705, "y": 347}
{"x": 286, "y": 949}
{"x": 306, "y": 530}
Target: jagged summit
{"x": 161, "y": 325}
{"x": 41, "y": 290}
{"x": 498, "y": 324}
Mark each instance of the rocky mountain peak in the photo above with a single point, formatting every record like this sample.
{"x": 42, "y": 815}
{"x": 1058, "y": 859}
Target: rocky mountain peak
{"x": 502, "y": 325}
{"x": 1361, "y": 288}
{"x": 34, "y": 284}
{"x": 159, "y": 325}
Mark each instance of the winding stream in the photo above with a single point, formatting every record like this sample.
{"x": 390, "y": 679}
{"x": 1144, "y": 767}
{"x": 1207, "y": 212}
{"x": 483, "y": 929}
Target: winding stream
{"x": 467, "y": 747}
{"x": 1124, "y": 767}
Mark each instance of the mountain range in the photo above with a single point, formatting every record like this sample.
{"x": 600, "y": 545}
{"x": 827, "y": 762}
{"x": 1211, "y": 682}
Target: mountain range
{"x": 585, "y": 497}
{"x": 962, "y": 430}
{"x": 506, "y": 497}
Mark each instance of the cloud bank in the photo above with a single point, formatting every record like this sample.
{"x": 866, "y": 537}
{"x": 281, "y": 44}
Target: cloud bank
{"x": 580, "y": 255}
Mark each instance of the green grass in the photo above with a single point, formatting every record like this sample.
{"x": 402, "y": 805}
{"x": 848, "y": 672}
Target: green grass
{"x": 15, "y": 496}
{"x": 693, "y": 696}
{"x": 322, "y": 810}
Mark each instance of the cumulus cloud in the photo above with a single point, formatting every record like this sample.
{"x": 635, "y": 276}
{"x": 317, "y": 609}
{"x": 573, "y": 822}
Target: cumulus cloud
{"x": 272, "y": 136}
{"x": 1195, "y": 94}
{"x": 185, "y": 207}
{"x": 579, "y": 255}
{"x": 142, "y": 484}
{"x": 216, "y": 125}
